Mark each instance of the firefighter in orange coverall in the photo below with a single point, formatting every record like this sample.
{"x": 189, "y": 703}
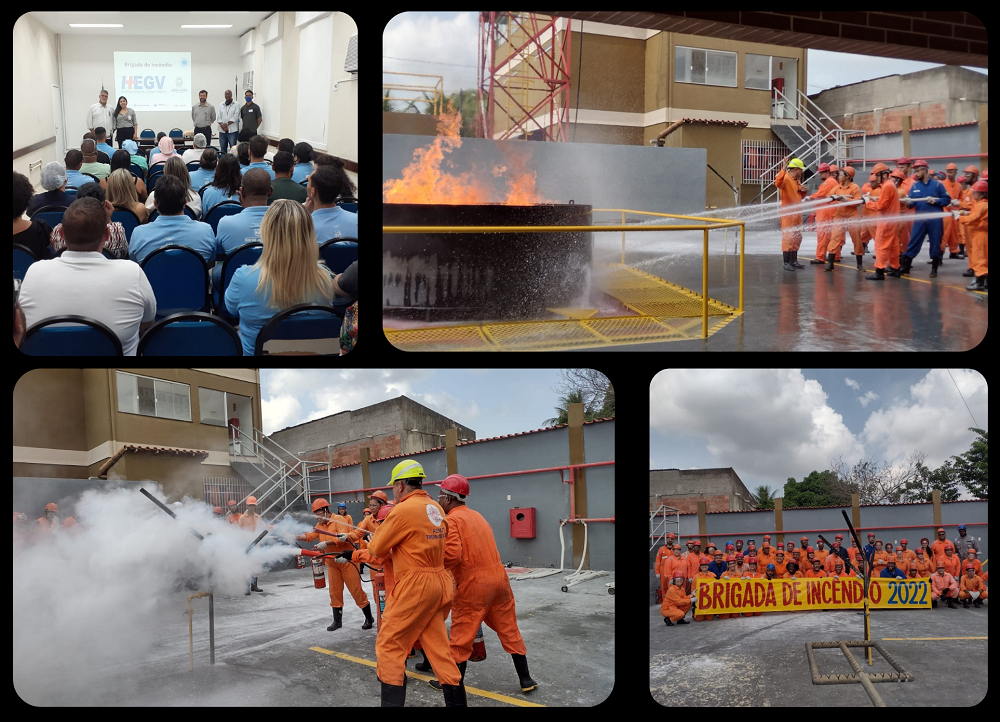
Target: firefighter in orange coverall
{"x": 482, "y": 590}
{"x": 944, "y": 585}
{"x": 691, "y": 562}
{"x": 904, "y": 229}
{"x": 251, "y": 521}
{"x": 924, "y": 566}
{"x": 791, "y": 190}
{"x": 846, "y": 190}
{"x": 664, "y": 552}
{"x": 951, "y": 238}
{"x": 952, "y": 564}
{"x": 908, "y": 554}
{"x": 676, "y": 603}
{"x": 233, "y": 517}
{"x": 976, "y": 564}
{"x": 976, "y": 224}
{"x": 887, "y": 205}
{"x": 965, "y": 201}
{"x": 49, "y": 519}
{"x": 869, "y": 228}
{"x": 780, "y": 565}
{"x": 938, "y": 545}
{"x": 336, "y": 578}
{"x": 414, "y": 536}
{"x": 824, "y": 215}
{"x": 971, "y": 583}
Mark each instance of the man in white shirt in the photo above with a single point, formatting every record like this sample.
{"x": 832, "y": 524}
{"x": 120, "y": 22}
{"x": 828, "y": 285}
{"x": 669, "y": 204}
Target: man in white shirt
{"x": 193, "y": 155}
{"x": 82, "y": 282}
{"x": 229, "y": 122}
{"x": 100, "y": 113}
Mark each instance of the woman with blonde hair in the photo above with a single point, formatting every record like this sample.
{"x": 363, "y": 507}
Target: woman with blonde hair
{"x": 122, "y": 192}
{"x": 288, "y": 273}
{"x": 176, "y": 167}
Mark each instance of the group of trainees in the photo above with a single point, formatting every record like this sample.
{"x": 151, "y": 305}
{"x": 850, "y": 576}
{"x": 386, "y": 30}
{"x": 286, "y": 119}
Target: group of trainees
{"x": 951, "y": 578}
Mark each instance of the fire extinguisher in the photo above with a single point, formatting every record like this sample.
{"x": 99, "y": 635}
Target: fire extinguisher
{"x": 478, "y": 647}
{"x": 319, "y": 578}
{"x": 378, "y": 588}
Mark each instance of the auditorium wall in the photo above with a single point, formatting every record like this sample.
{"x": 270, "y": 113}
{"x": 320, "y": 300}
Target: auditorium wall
{"x": 35, "y": 72}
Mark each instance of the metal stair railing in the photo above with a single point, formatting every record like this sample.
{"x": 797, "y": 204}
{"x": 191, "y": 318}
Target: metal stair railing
{"x": 293, "y": 478}
{"x": 661, "y": 526}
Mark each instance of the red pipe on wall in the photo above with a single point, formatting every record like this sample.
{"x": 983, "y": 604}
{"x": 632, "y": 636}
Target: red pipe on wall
{"x": 921, "y": 157}
{"x": 746, "y": 534}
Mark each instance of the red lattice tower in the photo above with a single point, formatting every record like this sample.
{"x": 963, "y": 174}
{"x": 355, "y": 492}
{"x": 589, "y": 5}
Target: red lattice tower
{"x": 539, "y": 69}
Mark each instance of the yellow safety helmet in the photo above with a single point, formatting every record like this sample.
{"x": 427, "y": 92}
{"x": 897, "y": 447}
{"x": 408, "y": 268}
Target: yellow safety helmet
{"x": 796, "y": 163}
{"x": 407, "y": 469}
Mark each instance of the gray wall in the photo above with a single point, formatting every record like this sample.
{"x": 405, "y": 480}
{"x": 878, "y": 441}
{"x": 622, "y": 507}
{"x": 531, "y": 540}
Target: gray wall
{"x": 544, "y": 491}
{"x": 916, "y": 521}
{"x": 666, "y": 180}
{"x": 961, "y": 140}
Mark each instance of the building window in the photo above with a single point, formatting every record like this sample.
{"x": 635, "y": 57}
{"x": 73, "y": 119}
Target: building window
{"x": 758, "y": 72}
{"x": 704, "y": 67}
{"x": 212, "y": 406}
{"x": 153, "y": 397}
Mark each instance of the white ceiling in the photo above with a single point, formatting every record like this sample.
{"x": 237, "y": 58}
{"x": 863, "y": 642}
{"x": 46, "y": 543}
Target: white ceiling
{"x": 152, "y": 23}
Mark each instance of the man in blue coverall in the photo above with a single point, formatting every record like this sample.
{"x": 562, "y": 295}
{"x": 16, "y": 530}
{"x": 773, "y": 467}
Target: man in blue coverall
{"x": 891, "y": 570}
{"x": 932, "y": 197}
{"x": 870, "y": 546}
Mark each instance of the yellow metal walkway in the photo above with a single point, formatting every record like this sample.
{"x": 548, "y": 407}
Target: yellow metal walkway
{"x": 666, "y": 312}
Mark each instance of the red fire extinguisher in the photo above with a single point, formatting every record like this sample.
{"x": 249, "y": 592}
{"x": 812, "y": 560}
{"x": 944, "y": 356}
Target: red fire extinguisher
{"x": 378, "y": 589}
{"x": 319, "y": 578}
{"x": 478, "y": 647}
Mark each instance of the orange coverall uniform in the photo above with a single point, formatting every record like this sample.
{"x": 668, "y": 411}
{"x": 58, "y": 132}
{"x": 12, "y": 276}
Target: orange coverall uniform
{"x": 482, "y": 591}
{"x": 976, "y": 565}
{"x": 976, "y": 226}
{"x": 841, "y": 213}
{"x": 779, "y": 568}
{"x": 937, "y": 547}
{"x": 824, "y": 218}
{"x": 676, "y": 604}
{"x": 668, "y": 566}
{"x": 791, "y": 192}
{"x": 909, "y": 554}
{"x": 661, "y": 554}
{"x": 815, "y": 575}
{"x": 886, "y": 243}
{"x": 945, "y": 583}
{"x": 233, "y": 518}
{"x": 822, "y": 554}
{"x": 702, "y": 617}
{"x": 951, "y": 237}
{"x": 335, "y": 577}
{"x": 693, "y": 564}
{"x": 414, "y": 536}
{"x": 976, "y": 584}
{"x": 924, "y": 568}
{"x": 965, "y": 204}
{"x": 765, "y": 558}
{"x": 369, "y": 524}
{"x": 952, "y": 565}
{"x": 829, "y": 561}
{"x": 869, "y": 229}
{"x": 797, "y": 575}
{"x": 904, "y": 228}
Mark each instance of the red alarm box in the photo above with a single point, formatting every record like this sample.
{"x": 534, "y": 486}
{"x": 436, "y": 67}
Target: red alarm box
{"x": 522, "y": 522}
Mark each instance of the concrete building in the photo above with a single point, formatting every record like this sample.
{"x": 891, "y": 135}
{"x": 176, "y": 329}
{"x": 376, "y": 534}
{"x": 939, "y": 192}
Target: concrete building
{"x": 947, "y": 95}
{"x": 166, "y": 425}
{"x": 390, "y": 428}
{"x": 721, "y": 489}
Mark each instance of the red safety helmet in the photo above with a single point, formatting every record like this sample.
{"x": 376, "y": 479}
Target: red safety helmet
{"x": 850, "y": 171}
{"x": 823, "y": 167}
{"x": 871, "y": 533}
{"x": 217, "y": 509}
{"x": 951, "y": 166}
{"x": 810, "y": 550}
{"x": 878, "y": 541}
{"x": 940, "y": 528}
{"x": 986, "y": 174}
{"x": 880, "y": 168}
{"x": 669, "y": 536}
{"x": 805, "y": 538}
{"x": 678, "y": 575}
{"x": 903, "y": 161}
{"x": 231, "y": 502}
{"x": 739, "y": 555}
{"x": 960, "y": 179}
{"x": 920, "y": 164}
{"x": 972, "y": 169}
{"x": 320, "y": 504}
{"x": 920, "y": 550}
{"x": 51, "y": 506}
{"x": 251, "y": 500}
{"x": 981, "y": 186}
{"x": 767, "y": 537}
{"x": 781, "y": 545}
{"x": 839, "y": 536}
{"x": 704, "y": 560}
{"x": 384, "y": 512}
{"x": 730, "y": 546}
{"x": 455, "y": 485}
{"x": 872, "y": 178}
{"x": 366, "y": 512}
{"x": 697, "y": 542}
{"x": 380, "y": 495}
{"x": 834, "y": 167}
{"x": 731, "y": 558}
{"x": 752, "y": 560}
{"x": 969, "y": 566}
{"x": 898, "y": 174}
{"x": 903, "y": 541}
{"x": 739, "y": 541}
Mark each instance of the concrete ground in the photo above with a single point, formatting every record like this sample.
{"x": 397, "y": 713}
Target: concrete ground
{"x": 761, "y": 661}
{"x": 264, "y": 655}
{"x": 809, "y": 310}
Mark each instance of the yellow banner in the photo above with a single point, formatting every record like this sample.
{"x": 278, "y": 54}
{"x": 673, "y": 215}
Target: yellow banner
{"x": 726, "y": 596}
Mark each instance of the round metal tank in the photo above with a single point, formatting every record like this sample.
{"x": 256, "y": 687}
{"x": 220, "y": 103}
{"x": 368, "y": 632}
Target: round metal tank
{"x": 483, "y": 275}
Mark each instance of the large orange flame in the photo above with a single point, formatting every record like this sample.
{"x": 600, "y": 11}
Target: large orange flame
{"x": 424, "y": 181}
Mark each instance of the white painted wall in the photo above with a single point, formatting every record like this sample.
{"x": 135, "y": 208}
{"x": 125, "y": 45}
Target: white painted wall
{"x": 35, "y": 72}
{"x": 342, "y": 138}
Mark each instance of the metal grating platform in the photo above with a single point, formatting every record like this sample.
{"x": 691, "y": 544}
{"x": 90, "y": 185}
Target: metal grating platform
{"x": 666, "y": 312}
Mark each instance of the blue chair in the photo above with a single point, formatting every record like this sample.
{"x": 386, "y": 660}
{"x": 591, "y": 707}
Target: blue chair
{"x": 304, "y": 321}
{"x": 157, "y": 166}
{"x": 201, "y": 191}
{"x": 338, "y": 258}
{"x": 176, "y": 133}
{"x": 84, "y": 337}
{"x": 23, "y": 257}
{"x": 304, "y": 183}
{"x": 147, "y": 133}
{"x": 246, "y": 255}
{"x": 348, "y": 203}
{"x": 219, "y": 211}
{"x": 190, "y": 334}
{"x": 92, "y": 177}
{"x": 179, "y": 278}
{"x": 137, "y": 171}
{"x": 187, "y": 211}
{"x": 50, "y": 214}
{"x": 128, "y": 219}
{"x": 193, "y": 166}
{"x": 71, "y": 192}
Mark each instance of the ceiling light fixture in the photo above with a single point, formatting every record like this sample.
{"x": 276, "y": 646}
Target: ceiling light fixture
{"x": 118, "y": 25}
{"x": 206, "y": 26}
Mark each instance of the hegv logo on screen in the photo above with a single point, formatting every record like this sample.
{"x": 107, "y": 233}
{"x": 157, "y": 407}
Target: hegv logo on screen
{"x": 148, "y": 82}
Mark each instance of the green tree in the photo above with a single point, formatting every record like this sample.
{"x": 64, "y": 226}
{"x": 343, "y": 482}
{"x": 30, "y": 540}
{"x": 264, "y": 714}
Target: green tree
{"x": 465, "y": 102}
{"x": 819, "y": 488}
{"x": 972, "y": 467}
{"x": 763, "y": 497}
{"x": 944, "y": 478}
{"x": 387, "y": 104}
{"x": 573, "y": 397}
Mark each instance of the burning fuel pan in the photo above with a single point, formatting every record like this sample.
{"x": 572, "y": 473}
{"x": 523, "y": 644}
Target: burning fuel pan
{"x": 483, "y": 275}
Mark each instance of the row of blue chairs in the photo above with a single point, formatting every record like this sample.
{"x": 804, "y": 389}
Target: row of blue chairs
{"x": 180, "y": 334}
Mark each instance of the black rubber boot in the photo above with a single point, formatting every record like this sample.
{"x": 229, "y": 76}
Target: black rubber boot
{"x": 978, "y": 603}
{"x": 786, "y": 258}
{"x": 879, "y": 275}
{"x": 904, "y": 265}
{"x": 667, "y": 621}
{"x": 367, "y": 609}
{"x": 424, "y": 666}
{"x": 795, "y": 260}
{"x": 521, "y": 665}
{"x": 969, "y": 273}
{"x": 892, "y": 272}
{"x": 955, "y": 255}
{"x": 393, "y": 696}
{"x": 437, "y": 685}
{"x": 683, "y": 621}
{"x": 454, "y": 695}
{"x": 951, "y": 603}
{"x": 934, "y": 604}
{"x": 965, "y": 603}
{"x": 934, "y": 267}
{"x": 337, "y": 620}
{"x": 815, "y": 262}
{"x": 961, "y": 250}
{"x": 861, "y": 265}
{"x": 830, "y": 258}
{"x": 977, "y": 285}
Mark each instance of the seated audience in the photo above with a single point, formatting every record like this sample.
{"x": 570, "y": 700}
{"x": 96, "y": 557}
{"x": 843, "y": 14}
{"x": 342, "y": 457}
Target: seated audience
{"x": 102, "y": 157}
{"x": 34, "y": 235}
{"x": 82, "y": 282}
{"x": 225, "y": 184}
{"x": 243, "y": 227}
{"x": 347, "y": 187}
{"x": 90, "y": 163}
{"x": 175, "y": 167}
{"x": 288, "y": 272}
{"x": 346, "y": 284}
{"x": 283, "y": 185}
{"x": 133, "y": 150}
{"x": 207, "y": 162}
{"x": 193, "y": 155}
{"x": 243, "y": 153}
{"x": 330, "y": 220}
{"x": 165, "y": 151}
{"x": 258, "y": 147}
{"x": 117, "y": 243}
{"x": 122, "y": 192}
{"x": 286, "y": 145}
{"x": 156, "y": 148}
{"x": 54, "y": 182}
{"x": 122, "y": 160}
{"x": 172, "y": 226}
{"x": 101, "y": 136}
{"x": 74, "y": 178}
{"x": 303, "y": 156}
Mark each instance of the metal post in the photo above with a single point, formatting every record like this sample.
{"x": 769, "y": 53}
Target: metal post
{"x": 743, "y": 228}
{"x": 623, "y": 238}
{"x": 211, "y": 624}
{"x": 704, "y": 288}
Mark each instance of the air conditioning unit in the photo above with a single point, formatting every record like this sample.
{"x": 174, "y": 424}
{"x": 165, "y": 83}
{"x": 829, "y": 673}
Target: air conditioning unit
{"x": 351, "y": 62}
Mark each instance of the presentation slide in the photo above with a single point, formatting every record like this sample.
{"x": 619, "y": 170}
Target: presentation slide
{"x": 153, "y": 81}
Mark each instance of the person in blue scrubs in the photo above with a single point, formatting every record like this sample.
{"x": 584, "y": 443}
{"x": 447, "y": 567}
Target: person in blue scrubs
{"x": 244, "y": 227}
{"x": 304, "y": 155}
{"x": 225, "y": 184}
{"x": 288, "y": 273}
{"x": 172, "y": 226}
{"x": 331, "y": 221}
{"x": 258, "y": 147}
{"x": 206, "y": 170}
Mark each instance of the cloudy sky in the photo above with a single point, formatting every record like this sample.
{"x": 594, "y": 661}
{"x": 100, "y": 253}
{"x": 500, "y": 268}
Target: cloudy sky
{"x": 446, "y": 43}
{"x": 769, "y": 424}
{"x": 478, "y": 398}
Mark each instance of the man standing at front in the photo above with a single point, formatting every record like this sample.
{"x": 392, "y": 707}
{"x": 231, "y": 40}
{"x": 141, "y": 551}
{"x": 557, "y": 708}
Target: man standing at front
{"x": 789, "y": 184}
{"x": 99, "y": 115}
{"x": 250, "y": 114}
{"x": 229, "y": 122}
{"x": 203, "y": 115}
{"x": 929, "y": 197}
